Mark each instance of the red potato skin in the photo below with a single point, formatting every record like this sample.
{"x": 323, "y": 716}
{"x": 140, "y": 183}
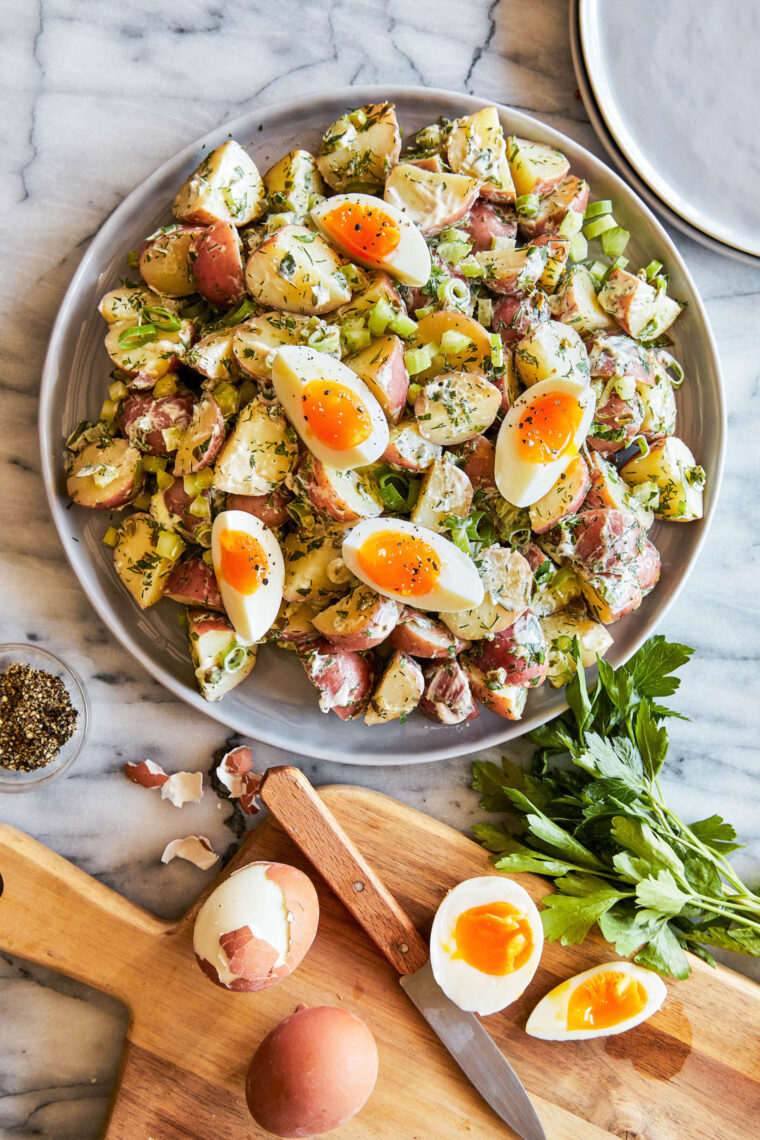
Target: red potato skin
{"x": 620, "y": 417}
{"x": 476, "y": 458}
{"x": 139, "y": 382}
{"x": 486, "y": 222}
{"x": 606, "y": 541}
{"x": 121, "y": 490}
{"x": 433, "y": 163}
{"x": 178, "y": 502}
{"x": 193, "y": 583}
{"x": 627, "y": 593}
{"x": 515, "y": 317}
{"x": 331, "y": 669}
{"x": 421, "y": 636}
{"x": 380, "y": 622}
{"x": 605, "y": 351}
{"x": 571, "y": 194}
{"x": 447, "y": 687}
{"x": 581, "y": 472}
{"x": 391, "y": 377}
{"x": 271, "y": 509}
{"x": 321, "y": 495}
{"x": 162, "y": 412}
{"x": 521, "y": 650}
{"x": 218, "y": 264}
{"x": 646, "y": 568}
{"x": 147, "y": 246}
{"x": 534, "y": 556}
{"x": 208, "y": 413}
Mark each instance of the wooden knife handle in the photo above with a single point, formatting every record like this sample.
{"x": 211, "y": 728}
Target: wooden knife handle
{"x": 297, "y": 807}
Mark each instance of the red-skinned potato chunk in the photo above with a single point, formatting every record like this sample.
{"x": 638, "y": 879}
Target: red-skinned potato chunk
{"x": 476, "y": 457}
{"x": 359, "y": 149}
{"x": 226, "y": 187}
{"x": 346, "y": 496}
{"x": 611, "y": 596}
{"x": 261, "y": 451}
{"x": 203, "y": 438}
{"x": 486, "y": 222}
{"x": 456, "y": 406}
{"x": 430, "y": 199}
{"x": 297, "y": 271}
{"x": 256, "y": 927}
{"x": 145, "y": 364}
{"x": 605, "y": 541}
{"x": 517, "y": 656}
{"x": 170, "y": 508}
{"x": 616, "y": 423}
{"x": 557, "y": 253}
{"x": 272, "y": 509}
{"x": 646, "y": 567}
{"x": 608, "y": 489}
{"x": 166, "y": 263}
{"x": 512, "y": 271}
{"x": 611, "y": 354}
{"x": 536, "y": 168}
{"x": 447, "y": 697}
{"x": 641, "y": 310}
{"x": 507, "y": 701}
{"x": 214, "y": 358}
{"x": 422, "y": 636}
{"x": 218, "y": 265}
{"x": 105, "y": 477}
{"x": 445, "y": 491}
{"x": 293, "y": 627}
{"x": 571, "y": 194}
{"x": 575, "y": 303}
{"x": 210, "y": 636}
{"x": 408, "y": 449}
{"x": 565, "y": 498}
{"x": 397, "y": 692}
{"x": 137, "y": 561}
{"x": 361, "y": 620}
{"x": 193, "y": 583}
{"x": 515, "y": 317}
{"x": 381, "y": 366}
{"x": 508, "y": 582}
{"x": 343, "y": 678}
{"x": 145, "y": 418}
{"x": 476, "y": 146}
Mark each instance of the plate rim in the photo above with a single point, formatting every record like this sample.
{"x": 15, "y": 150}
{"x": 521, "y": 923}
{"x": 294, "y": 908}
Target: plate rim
{"x": 587, "y": 27}
{"x": 188, "y": 157}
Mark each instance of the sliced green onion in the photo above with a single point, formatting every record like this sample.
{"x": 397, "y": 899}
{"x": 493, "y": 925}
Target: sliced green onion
{"x": 353, "y": 274}
{"x": 247, "y": 391}
{"x": 163, "y": 319}
{"x": 200, "y": 508}
{"x": 564, "y": 643}
{"x": 398, "y": 492}
{"x": 424, "y": 312}
{"x": 402, "y": 326}
{"x": 207, "y": 557}
{"x": 142, "y": 502}
{"x": 458, "y": 536}
{"x": 356, "y": 339}
{"x": 453, "y": 292}
{"x": 675, "y": 372}
{"x": 478, "y": 526}
{"x": 234, "y": 658}
{"x": 614, "y": 241}
{"x": 652, "y": 270}
{"x": 108, "y": 412}
{"x": 597, "y": 209}
{"x": 544, "y": 572}
{"x": 471, "y": 267}
{"x": 527, "y": 205}
{"x": 497, "y": 350}
{"x": 239, "y": 313}
{"x": 154, "y": 463}
{"x": 453, "y": 251}
{"x": 485, "y": 311}
{"x": 202, "y": 535}
{"x": 111, "y": 537}
{"x": 413, "y": 392}
{"x": 166, "y": 386}
{"x": 578, "y": 247}
{"x": 419, "y": 359}
{"x": 302, "y": 514}
{"x": 570, "y": 224}
{"x": 228, "y": 398}
{"x": 453, "y": 341}
{"x": 325, "y": 338}
{"x": 642, "y": 445}
{"x": 117, "y": 391}
{"x": 136, "y": 336}
{"x": 169, "y": 545}
{"x": 599, "y": 226}
{"x": 163, "y": 480}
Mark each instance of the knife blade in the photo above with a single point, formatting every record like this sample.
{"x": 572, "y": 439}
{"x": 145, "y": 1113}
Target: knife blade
{"x": 312, "y": 826}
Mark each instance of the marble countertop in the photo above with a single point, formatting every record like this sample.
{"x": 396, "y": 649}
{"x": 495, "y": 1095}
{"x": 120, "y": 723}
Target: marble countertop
{"x": 97, "y": 96}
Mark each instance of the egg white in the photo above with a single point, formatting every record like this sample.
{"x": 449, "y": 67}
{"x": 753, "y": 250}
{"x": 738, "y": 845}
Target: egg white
{"x": 466, "y": 986}
{"x": 247, "y": 898}
{"x": 522, "y": 483}
{"x": 409, "y": 262}
{"x": 549, "y": 1019}
{"x": 295, "y": 366}
{"x": 252, "y": 615}
{"x": 459, "y": 586}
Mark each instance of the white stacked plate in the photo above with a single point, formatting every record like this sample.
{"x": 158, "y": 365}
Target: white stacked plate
{"x": 672, "y": 88}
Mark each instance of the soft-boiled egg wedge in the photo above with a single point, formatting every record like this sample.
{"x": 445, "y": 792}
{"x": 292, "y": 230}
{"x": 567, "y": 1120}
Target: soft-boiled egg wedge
{"x": 539, "y": 436}
{"x": 486, "y": 943}
{"x": 331, "y": 408}
{"x": 608, "y": 999}
{"x": 250, "y": 572}
{"x": 374, "y": 234}
{"x": 412, "y": 564}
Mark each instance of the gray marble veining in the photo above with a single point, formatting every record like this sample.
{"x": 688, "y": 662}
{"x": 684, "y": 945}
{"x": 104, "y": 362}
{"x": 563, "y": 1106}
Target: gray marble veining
{"x": 95, "y": 96}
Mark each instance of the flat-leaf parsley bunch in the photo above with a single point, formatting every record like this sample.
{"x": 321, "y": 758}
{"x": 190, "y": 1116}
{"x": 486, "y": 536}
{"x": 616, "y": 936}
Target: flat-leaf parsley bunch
{"x": 595, "y": 821}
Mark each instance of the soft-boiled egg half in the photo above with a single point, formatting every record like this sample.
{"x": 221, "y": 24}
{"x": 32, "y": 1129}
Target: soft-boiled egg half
{"x": 602, "y": 1001}
{"x": 250, "y": 572}
{"x": 486, "y": 943}
{"x": 540, "y": 435}
{"x": 413, "y": 565}
{"x": 372, "y": 233}
{"x": 331, "y": 408}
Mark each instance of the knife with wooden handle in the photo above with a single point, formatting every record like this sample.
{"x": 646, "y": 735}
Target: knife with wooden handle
{"x": 297, "y": 807}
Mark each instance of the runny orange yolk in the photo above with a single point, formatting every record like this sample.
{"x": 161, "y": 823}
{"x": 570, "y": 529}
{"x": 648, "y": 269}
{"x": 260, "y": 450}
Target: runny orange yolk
{"x": 495, "y": 938}
{"x": 335, "y": 414}
{"x": 547, "y": 427}
{"x": 243, "y": 561}
{"x": 605, "y": 1000}
{"x": 400, "y": 562}
{"x": 363, "y": 231}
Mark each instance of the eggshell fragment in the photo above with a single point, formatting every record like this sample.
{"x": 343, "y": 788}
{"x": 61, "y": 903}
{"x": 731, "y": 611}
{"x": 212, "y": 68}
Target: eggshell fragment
{"x": 235, "y": 772}
{"x": 147, "y": 774}
{"x": 183, "y": 788}
{"x": 195, "y": 848}
{"x": 313, "y": 1072}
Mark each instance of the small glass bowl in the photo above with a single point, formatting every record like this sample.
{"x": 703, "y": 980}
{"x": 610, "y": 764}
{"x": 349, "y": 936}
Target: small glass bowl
{"x": 24, "y": 653}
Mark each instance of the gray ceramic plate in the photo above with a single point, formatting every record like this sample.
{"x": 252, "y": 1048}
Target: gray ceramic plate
{"x": 277, "y": 704}
{"x": 677, "y": 86}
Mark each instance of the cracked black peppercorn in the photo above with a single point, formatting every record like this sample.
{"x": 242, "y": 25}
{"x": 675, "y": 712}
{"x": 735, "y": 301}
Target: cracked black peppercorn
{"x": 36, "y": 717}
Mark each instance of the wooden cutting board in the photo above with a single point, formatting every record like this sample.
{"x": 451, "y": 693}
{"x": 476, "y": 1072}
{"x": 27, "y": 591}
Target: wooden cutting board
{"x": 691, "y": 1073}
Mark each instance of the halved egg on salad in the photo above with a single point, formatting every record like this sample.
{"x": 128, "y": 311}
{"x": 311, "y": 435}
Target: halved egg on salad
{"x": 250, "y": 572}
{"x": 600, "y": 1002}
{"x": 331, "y": 408}
{"x": 413, "y": 565}
{"x": 540, "y": 435}
{"x": 376, "y": 235}
{"x": 486, "y": 943}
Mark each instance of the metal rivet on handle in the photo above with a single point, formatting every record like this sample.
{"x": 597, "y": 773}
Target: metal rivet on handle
{"x": 358, "y": 887}
{"x": 403, "y": 948}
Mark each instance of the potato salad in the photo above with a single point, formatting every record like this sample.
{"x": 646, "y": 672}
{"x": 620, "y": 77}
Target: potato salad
{"x": 408, "y": 416}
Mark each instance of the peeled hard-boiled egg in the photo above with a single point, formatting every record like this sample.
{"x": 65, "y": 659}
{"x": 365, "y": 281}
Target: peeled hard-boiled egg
{"x": 250, "y": 572}
{"x": 330, "y": 407}
{"x": 256, "y": 926}
{"x": 608, "y": 999}
{"x": 413, "y": 565}
{"x": 375, "y": 234}
{"x": 486, "y": 943}
{"x": 541, "y": 433}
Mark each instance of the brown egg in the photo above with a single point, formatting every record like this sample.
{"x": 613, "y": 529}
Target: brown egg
{"x": 256, "y": 926}
{"x": 314, "y": 1071}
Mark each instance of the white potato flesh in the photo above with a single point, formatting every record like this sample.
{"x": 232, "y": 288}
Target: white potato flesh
{"x": 475, "y": 356}
{"x": 359, "y": 149}
{"x": 137, "y": 561}
{"x": 128, "y": 302}
{"x": 536, "y": 168}
{"x": 105, "y": 474}
{"x": 408, "y": 449}
{"x": 165, "y": 263}
{"x": 557, "y": 253}
{"x": 569, "y": 623}
{"x": 314, "y": 568}
{"x": 397, "y": 692}
{"x": 297, "y": 271}
{"x": 292, "y": 181}
{"x": 507, "y": 701}
{"x": 660, "y": 411}
{"x": 345, "y": 496}
{"x": 557, "y": 592}
{"x": 551, "y": 349}
{"x": 680, "y": 480}
{"x": 255, "y": 342}
{"x": 381, "y": 366}
{"x": 643, "y": 311}
{"x": 456, "y": 406}
{"x": 609, "y": 489}
{"x": 148, "y": 362}
{"x": 512, "y": 270}
{"x": 210, "y": 637}
{"x": 576, "y": 303}
{"x": 476, "y": 146}
{"x": 565, "y": 497}
{"x": 213, "y": 357}
{"x": 378, "y": 287}
{"x": 259, "y": 453}
{"x": 507, "y": 583}
{"x": 359, "y": 621}
{"x": 225, "y": 187}
{"x": 431, "y": 199}
{"x": 445, "y": 491}
{"x": 408, "y": 263}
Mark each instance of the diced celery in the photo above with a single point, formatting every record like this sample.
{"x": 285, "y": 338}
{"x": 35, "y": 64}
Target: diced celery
{"x": 453, "y": 251}
{"x": 200, "y": 507}
{"x": 652, "y": 270}
{"x": 497, "y": 350}
{"x": 453, "y": 341}
{"x": 502, "y": 242}
{"x": 485, "y": 311}
{"x": 117, "y": 391}
{"x": 208, "y": 558}
{"x": 166, "y": 386}
{"x": 402, "y": 326}
{"x": 614, "y": 241}
{"x": 380, "y": 315}
{"x": 142, "y": 502}
{"x": 163, "y": 480}
{"x": 413, "y": 393}
{"x": 417, "y": 360}
{"x": 356, "y": 339}
{"x": 598, "y": 270}
{"x": 570, "y": 224}
{"x": 204, "y": 478}
{"x": 228, "y": 398}
{"x": 111, "y": 537}
{"x": 527, "y": 205}
{"x": 578, "y": 247}
{"x": 247, "y": 391}
{"x": 154, "y": 463}
{"x": 108, "y": 412}
{"x": 471, "y": 267}
{"x": 598, "y": 209}
{"x": 169, "y": 545}
{"x": 424, "y": 312}
{"x": 599, "y": 225}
